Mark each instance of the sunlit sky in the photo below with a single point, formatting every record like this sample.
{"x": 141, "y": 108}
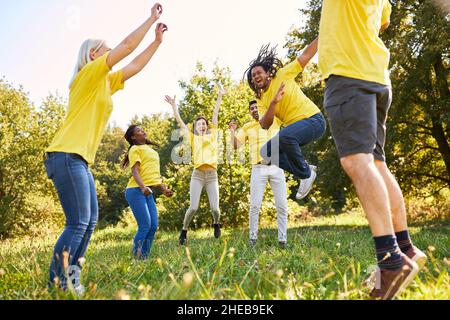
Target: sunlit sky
{"x": 40, "y": 42}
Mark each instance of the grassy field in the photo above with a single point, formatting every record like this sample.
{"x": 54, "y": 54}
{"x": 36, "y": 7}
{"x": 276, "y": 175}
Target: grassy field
{"x": 327, "y": 258}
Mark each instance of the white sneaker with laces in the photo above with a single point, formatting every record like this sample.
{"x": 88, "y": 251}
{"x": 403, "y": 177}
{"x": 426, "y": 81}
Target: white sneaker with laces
{"x": 306, "y": 184}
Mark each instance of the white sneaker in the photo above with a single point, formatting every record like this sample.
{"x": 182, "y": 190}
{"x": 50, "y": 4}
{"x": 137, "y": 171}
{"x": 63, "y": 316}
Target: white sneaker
{"x": 306, "y": 184}
{"x": 74, "y": 273}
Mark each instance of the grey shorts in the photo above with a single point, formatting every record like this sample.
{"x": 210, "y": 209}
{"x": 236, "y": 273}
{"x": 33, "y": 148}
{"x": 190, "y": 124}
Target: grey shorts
{"x": 357, "y": 112}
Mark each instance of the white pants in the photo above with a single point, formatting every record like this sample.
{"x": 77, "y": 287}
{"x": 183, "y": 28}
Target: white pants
{"x": 210, "y": 181}
{"x": 260, "y": 175}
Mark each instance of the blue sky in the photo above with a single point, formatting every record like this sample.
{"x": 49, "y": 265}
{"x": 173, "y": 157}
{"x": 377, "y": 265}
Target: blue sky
{"x": 40, "y": 42}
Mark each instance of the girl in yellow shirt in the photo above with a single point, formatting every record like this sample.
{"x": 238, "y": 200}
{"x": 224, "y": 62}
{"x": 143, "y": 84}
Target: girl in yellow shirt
{"x": 73, "y": 148}
{"x": 146, "y": 177}
{"x": 204, "y": 147}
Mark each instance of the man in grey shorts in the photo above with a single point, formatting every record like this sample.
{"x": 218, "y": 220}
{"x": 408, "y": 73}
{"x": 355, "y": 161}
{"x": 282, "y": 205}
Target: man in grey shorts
{"x": 357, "y": 112}
{"x": 354, "y": 64}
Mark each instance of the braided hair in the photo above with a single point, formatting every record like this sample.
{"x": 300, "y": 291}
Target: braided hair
{"x": 267, "y": 59}
{"x": 128, "y": 135}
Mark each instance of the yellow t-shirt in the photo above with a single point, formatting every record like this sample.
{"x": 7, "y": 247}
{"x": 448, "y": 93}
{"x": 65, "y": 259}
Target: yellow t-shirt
{"x": 257, "y": 137}
{"x": 148, "y": 166}
{"x": 204, "y": 148}
{"x": 349, "y": 44}
{"x": 90, "y": 106}
{"x": 294, "y": 106}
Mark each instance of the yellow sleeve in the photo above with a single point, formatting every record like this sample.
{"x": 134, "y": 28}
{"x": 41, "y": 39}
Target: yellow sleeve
{"x": 115, "y": 81}
{"x": 386, "y": 14}
{"x": 94, "y": 72}
{"x": 135, "y": 156}
{"x": 242, "y": 135}
{"x": 290, "y": 71}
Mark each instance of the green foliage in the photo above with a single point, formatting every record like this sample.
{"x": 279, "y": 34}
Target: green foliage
{"x": 24, "y": 133}
{"x": 419, "y": 122}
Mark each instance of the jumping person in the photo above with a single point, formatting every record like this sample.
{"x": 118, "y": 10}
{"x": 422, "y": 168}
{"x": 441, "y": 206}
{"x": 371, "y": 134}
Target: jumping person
{"x": 354, "y": 64}
{"x": 146, "y": 178}
{"x": 74, "y": 146}
{"x": 261, "y": 173}
{"x": 279, "y": 96}
{"x": 204, "y": 142}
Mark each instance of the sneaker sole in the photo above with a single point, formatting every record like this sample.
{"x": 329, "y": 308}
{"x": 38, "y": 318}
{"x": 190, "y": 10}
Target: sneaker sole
{"x": 421, "y": 260}
{"x": 314, "y": 174}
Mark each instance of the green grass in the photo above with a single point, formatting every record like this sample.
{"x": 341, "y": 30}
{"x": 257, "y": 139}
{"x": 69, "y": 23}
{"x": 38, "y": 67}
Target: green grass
{"x": 327, "y": 258}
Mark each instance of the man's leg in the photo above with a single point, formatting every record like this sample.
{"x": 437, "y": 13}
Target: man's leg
{"x": 278, "y": 184}
{"x": 352, "y": 106}
{"x": 396, "y": 201}
{"x": 371, "y": 190}
{"x": 258, "y": 182}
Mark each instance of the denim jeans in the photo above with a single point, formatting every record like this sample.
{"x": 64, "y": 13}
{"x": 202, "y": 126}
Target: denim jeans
{"x": 146, "y": 214}
{"x": 76, "y": 190}
{"x": 288, "y": 142}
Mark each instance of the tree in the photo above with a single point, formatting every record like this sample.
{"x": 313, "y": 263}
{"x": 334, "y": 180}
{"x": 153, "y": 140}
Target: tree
{"x": 24, "y": 134}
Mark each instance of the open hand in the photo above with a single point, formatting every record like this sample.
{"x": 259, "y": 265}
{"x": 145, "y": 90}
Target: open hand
{"x": 170, "y": 100}
{"x": 279, "y": 94}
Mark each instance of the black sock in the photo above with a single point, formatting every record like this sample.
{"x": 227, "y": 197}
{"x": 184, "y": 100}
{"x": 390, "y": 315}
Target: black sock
{"x": 403, "y": 240}
{"x": 388, "y": 252}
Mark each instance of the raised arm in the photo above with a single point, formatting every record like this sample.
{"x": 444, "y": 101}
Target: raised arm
{"x": 233, "y": 127}
{"x": 308, "y": 53}
{"x": 142, "y": 60}
{"x": 215, "y": 117}
{"x": 267, "y": 120}
{"x": 130, "y": 43}
{"x": 180, "y": 121}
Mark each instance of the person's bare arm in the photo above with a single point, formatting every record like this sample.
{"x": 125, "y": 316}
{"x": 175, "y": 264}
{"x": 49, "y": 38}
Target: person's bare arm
{"x": 233, "y": 128}
{"x": 135, "y": 66}
{"x": 215, "y": 117}
{"x": 176, "y": 113}
{"x": 267, "y": 120}
{"x": 308, "y": 53}
{"x": 135, "y": 170}
{"x": 132, "y": 41}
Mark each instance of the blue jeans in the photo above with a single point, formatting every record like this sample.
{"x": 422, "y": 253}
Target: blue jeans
{"x": 76, "y": 190}
{"x": 144, "y": 210}
{"x": 288, "y": 142}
